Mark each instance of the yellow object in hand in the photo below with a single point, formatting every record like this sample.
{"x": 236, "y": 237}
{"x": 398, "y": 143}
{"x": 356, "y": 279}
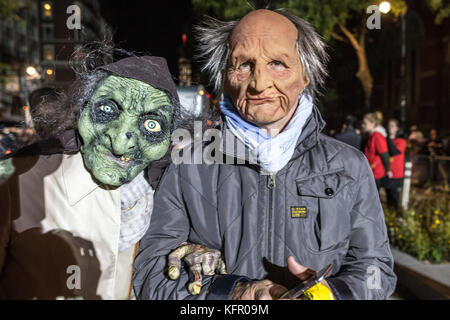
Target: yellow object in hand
{"x": 319, "y": 292}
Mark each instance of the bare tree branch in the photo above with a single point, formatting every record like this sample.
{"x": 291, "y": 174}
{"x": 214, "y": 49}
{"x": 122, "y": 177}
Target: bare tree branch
{"x": 350, "y": 37}
{"x": 338, "y": 37}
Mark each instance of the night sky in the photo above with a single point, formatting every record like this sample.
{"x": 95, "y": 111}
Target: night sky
{"x": 152, "y": 27}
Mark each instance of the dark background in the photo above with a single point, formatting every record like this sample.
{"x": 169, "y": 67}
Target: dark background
{"x": 153, "y": 27}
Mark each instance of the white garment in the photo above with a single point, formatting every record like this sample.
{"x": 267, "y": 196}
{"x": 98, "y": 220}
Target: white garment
{"x": 58, "y": 193}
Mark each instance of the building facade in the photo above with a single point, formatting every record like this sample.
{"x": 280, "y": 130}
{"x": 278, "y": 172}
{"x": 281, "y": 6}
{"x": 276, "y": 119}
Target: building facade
{"x": 19, "y": 52}
{"x": 36, "y": 48}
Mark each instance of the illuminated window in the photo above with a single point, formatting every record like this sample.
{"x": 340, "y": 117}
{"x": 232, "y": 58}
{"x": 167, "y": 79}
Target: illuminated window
{"x": 50, "y": 73}
{"x": 47, "y": 9}
{"x": 49, "y": 52}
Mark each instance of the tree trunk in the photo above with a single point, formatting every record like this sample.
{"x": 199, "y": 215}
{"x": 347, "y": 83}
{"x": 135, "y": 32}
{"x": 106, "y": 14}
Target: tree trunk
{"x": 364, "y": 75}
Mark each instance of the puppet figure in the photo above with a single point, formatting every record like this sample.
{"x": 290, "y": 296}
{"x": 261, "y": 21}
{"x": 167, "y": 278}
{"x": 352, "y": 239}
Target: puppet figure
{"x": 71, "y": 221}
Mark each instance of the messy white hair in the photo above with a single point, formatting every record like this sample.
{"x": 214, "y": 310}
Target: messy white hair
{"x": 213, "y": 52}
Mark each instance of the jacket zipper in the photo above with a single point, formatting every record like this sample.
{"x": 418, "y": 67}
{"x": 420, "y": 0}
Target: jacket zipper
{"x": 270, "y": 231}
{"x": 271, "y": 208}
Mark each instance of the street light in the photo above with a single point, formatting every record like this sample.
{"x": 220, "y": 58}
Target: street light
{"x": 385, "y": 7}
{"x": 31, "y": 71}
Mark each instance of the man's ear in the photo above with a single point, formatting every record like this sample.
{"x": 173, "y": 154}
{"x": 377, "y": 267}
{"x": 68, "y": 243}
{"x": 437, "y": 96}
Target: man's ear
{"x": 306, "y": 79}
{"x": 305, "y": 82}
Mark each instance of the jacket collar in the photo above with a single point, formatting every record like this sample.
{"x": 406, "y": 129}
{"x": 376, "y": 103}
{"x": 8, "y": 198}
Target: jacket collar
{"x": 308, "y": 138}
{"x": 78, "y": 181}
{"x": 310, "y": 134}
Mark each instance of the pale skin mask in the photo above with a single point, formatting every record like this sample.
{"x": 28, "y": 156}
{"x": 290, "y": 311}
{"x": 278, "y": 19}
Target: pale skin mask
{"x": 125, "y": 125}
{"x": 264, "y": 74}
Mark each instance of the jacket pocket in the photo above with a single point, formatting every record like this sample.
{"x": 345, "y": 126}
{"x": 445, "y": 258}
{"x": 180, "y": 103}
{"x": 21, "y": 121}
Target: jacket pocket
{"x": 327, "y": 225}
{"x": 323, "y": 185}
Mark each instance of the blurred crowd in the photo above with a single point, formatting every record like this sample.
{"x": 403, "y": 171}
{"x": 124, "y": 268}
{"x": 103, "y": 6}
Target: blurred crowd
{"x": 13, "y": 136}
{"x": 387, "y": 148}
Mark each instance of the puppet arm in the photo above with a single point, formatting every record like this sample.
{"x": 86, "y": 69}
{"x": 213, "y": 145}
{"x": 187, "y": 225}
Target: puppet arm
{"x": 168, "y": 231}
{"x": 199, "y": 258}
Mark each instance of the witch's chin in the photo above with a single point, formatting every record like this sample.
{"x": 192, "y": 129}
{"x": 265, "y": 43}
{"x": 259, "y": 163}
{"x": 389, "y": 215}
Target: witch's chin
{"x": 111, "y": 175}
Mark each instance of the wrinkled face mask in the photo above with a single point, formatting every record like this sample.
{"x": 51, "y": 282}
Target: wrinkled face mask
{"x": 264, "y": 74}
{"x": 125, "y": 125}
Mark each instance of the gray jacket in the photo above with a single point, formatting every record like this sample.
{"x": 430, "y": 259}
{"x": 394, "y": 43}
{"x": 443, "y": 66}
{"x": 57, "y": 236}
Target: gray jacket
{"x": 322, "y": 207}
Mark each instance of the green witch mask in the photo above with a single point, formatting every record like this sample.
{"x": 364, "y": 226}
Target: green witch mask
{"x": 125, "y": 125}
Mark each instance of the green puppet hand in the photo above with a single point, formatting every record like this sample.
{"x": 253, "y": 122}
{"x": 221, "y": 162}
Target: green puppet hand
{"x": 198, "y": 258}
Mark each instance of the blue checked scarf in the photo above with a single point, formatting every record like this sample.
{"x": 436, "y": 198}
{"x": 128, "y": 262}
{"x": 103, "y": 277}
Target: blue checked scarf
{"x": 272, "y": 153}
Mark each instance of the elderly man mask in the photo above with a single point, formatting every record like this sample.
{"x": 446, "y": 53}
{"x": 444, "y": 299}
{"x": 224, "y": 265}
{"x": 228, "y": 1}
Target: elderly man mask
{"x": 265, "y": 75}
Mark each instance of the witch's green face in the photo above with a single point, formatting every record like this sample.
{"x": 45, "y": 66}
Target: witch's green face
{"x": 125, "y": 125}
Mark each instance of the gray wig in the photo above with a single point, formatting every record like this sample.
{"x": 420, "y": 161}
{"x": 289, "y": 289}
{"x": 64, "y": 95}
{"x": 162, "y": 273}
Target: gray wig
{"x": 213, "y": 50}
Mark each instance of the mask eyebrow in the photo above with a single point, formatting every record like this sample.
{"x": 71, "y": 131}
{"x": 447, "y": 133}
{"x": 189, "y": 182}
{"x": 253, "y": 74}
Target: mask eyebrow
{"x": 160, "y": 111}
{"x": 151, "y": 103}
{"x": 241, "y": 56}
{"x": 111, "y": 85}
{"x": 111, "y": 95}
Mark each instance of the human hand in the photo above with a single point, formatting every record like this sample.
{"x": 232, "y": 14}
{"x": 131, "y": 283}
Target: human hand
{"x": 389, "y": 174}
{"x": 303, "y": 273}
{"x": 257, "y": 290}
{"x": 268, "y": 290}
{"x": 198, "y": 258}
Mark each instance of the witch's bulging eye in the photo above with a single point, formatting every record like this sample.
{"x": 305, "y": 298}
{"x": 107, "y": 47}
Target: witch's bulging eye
{"x": 105, "y": 111}
{"x": 152, "y": 125}
{"x": 106, "y": 108}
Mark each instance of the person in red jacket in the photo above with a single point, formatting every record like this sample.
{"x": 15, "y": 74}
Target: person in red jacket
{"x": 397, "y": 147}
{"x": 376, "y": 148}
